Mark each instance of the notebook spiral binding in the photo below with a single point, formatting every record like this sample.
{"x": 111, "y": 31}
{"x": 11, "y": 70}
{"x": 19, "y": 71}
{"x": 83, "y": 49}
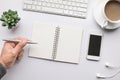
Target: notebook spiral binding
{"x": 55, "y": 43}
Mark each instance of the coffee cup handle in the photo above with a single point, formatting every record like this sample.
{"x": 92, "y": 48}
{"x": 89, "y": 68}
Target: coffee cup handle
{"x": 105, "y": 24}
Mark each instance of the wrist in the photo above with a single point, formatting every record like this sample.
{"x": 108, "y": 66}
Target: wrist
{"x": 2, "y": 63}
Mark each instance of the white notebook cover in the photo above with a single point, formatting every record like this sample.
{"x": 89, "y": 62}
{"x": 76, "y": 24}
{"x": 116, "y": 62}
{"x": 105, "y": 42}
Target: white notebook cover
{"x": 68, "y": 46}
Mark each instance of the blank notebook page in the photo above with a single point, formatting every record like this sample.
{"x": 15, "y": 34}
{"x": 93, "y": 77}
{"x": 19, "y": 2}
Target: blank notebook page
{"x": 44, "y": 35}
{"x": 69, "y": 44}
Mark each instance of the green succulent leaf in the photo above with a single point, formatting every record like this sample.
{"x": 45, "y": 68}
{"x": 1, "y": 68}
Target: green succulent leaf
{"x": 4, "y": 24}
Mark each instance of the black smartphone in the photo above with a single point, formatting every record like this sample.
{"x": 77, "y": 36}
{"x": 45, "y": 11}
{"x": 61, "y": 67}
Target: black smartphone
{"x": 94, "y": 46}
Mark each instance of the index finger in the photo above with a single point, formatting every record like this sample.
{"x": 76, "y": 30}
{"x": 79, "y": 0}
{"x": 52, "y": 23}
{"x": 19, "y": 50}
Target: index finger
{"x": 20, "y": 45}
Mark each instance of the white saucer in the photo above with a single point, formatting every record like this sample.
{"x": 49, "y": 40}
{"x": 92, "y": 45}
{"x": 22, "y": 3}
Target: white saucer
{"x": 100, "y": 18}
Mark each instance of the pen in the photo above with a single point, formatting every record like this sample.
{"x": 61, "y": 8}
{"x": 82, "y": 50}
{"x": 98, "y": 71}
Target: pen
{"x": 17, "y": 41}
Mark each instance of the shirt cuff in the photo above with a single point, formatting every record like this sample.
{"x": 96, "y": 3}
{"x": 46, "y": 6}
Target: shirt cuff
{"x": 2, "y": 71}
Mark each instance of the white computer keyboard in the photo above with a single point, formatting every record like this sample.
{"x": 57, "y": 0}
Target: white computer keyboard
{"x": 72, "y": 8}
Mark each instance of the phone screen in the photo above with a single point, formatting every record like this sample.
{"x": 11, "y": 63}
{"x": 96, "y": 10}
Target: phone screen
{"x": 94, "y": 45}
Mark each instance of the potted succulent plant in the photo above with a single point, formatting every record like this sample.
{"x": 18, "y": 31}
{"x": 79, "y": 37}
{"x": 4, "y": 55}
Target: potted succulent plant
{"x": 10, "y": 19}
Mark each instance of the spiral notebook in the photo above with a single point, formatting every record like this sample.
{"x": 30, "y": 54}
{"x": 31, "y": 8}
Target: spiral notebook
{"x": 59, "y": 43}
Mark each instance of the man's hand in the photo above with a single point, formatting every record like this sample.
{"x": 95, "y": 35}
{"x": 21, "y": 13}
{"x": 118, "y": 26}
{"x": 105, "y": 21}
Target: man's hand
{"x": 11, "y": 52}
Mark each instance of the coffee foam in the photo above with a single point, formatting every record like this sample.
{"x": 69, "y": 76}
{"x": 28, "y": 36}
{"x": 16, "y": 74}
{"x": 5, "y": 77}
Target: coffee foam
{"x": 112, "y": 10}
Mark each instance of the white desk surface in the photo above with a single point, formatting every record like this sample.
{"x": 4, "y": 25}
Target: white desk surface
{"x": 37, "y": 69}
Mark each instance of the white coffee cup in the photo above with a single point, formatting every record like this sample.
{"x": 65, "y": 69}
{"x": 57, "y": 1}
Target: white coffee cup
{"x": 107, "y": 20}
